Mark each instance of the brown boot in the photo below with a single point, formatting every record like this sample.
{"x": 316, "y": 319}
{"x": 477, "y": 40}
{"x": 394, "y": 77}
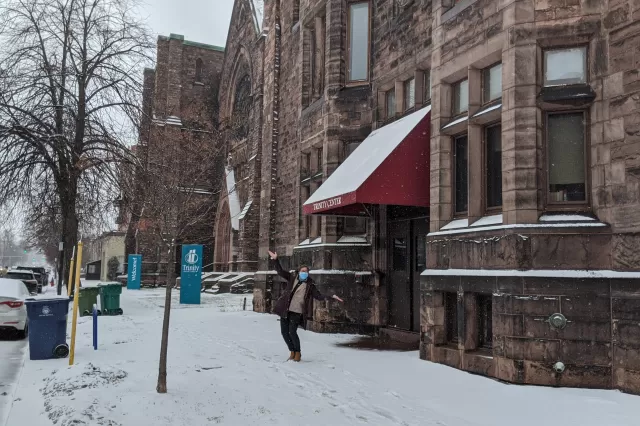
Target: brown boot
{"x": 296, "y": 357}
{"x": 291, "y": 355}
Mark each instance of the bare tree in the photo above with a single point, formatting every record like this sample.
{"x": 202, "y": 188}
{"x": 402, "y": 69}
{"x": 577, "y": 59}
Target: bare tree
{"x": 180, "y": 197}
{"x": 69, "y": 100}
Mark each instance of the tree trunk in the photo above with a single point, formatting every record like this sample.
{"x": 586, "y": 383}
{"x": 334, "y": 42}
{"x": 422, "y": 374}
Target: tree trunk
{"x": 68, "y": 198}
{"x": 162, "y": 370}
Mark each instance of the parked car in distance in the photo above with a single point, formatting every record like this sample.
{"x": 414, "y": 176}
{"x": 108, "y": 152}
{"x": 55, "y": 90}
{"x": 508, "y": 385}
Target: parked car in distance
{"x": 27, "y": 277}
{"x": 13, "y": 312}
{"x": 41, "y": 275}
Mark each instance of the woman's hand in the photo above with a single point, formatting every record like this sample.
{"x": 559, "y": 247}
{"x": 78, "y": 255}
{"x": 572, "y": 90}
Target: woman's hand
{"x": 273, "y": 255}
{"x": 337, "y": 298}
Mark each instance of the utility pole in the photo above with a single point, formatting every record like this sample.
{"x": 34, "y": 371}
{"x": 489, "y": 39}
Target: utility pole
{"x": 60, "y": 266}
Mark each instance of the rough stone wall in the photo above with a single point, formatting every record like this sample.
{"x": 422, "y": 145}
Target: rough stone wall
{"x": 293, "y": 125}
{"x": 599, "y": 345}
{"x": 244, "y": 54}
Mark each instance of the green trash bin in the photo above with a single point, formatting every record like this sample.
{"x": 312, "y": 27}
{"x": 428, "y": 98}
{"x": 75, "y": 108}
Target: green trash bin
{"x": 86, "y": 299}
{"x": 110, "y": 298}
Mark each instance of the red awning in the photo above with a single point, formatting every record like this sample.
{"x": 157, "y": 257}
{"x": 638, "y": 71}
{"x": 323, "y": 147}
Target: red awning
{"x": 391, "y": 166}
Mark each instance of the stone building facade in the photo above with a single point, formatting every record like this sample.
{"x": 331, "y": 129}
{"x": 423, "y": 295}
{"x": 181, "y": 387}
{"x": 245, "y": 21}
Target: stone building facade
{"x": 241, "y": 111}
{"x": 532, "y": 253}
{"x": 180, "y": 108}
{"x": 500, "y": 231}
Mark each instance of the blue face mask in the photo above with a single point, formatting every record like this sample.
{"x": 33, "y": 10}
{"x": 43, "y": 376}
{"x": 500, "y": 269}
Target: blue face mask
{"x": 303, "y": 276}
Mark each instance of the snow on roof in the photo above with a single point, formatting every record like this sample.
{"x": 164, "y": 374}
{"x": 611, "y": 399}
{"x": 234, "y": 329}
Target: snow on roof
{"x": 367, "y": 157}
{"x": 234, "y": 202}
{"x": 258, "y": 13}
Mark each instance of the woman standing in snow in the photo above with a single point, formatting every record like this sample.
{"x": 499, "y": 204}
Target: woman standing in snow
{"x": 295, "y": 305}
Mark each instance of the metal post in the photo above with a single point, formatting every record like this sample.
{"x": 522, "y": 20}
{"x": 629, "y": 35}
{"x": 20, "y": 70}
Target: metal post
{"x": 244, "y": 304}
{"x": 71, "y": 269}
{"x": 95, "y": 327}
{"x": 60, "y": 266}
{"x": 76, "y": 296}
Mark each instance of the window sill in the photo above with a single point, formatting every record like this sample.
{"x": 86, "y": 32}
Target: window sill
{"x": 575, "y": 96}
{"x": 455, "y": 126}
{"x": 312, "y": 107}
{"x": 481, "y": 352}
{"x": 488, "y": 113}
{"x": 456, "y": 9}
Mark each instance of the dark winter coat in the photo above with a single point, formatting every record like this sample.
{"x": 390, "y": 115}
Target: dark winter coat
{"x": 282, "y": 305}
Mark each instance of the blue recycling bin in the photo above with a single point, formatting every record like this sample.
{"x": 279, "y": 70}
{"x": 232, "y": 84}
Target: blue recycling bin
{"x": 48, "y": 328}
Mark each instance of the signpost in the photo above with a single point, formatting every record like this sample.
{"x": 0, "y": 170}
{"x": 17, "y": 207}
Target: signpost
{"x": 191, "y": 274}
{"x": 134, "y": 272}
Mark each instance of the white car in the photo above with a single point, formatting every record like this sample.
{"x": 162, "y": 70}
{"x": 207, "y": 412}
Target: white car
{"x": 13, "y": 311}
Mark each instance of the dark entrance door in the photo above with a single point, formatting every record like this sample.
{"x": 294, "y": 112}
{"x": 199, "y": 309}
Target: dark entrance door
{"x": 399, "y": 275}
{"x": 407, "y": 260}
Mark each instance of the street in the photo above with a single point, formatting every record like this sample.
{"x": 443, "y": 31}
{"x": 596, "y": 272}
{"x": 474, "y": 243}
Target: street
{"x": 11, "y": 354}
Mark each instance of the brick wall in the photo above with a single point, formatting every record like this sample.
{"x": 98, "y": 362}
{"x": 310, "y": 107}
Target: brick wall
{"x": 172, "y": 90}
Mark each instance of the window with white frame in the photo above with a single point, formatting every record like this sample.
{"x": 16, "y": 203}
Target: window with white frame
{"x": 565, "y": 66}
{"x": 390, "y": 99}
{"x": 409, "y": 94}
{"x": 359, "y": 37}
{"x": 461, "y": 97}
{"x": 492, "y": 83}
{"x": 427, "y": 86}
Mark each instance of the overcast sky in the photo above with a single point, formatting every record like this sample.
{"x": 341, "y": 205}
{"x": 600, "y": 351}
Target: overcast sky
{"x": 204, "y": 21}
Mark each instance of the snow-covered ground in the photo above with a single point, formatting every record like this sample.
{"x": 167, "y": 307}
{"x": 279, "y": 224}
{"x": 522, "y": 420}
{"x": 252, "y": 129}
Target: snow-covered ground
{"x": 226, "y": 366}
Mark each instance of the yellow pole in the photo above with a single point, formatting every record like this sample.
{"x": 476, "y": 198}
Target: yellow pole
{"x": 76, "y": 296}
{"x": 69, "y": 285}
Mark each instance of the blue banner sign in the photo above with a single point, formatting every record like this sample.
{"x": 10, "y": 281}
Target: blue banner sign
{"x": 134, "y": 272}
{"x": 191, "y": 274}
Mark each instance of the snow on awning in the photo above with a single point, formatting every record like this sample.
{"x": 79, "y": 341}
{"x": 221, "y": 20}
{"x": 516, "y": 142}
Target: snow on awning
{"x": 391, "y": 166}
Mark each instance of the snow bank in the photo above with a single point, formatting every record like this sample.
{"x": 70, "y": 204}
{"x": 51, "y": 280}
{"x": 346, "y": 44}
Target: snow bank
{"x": 227, "y": 366}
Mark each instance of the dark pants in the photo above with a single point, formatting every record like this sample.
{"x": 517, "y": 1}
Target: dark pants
{"x": 289, "y": 328}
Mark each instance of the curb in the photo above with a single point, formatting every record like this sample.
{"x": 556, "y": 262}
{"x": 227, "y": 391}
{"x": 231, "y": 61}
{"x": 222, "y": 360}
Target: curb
{"x": 4, "y": 421}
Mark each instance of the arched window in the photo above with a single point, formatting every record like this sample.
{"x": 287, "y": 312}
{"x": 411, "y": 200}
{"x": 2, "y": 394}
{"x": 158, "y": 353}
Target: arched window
{"x": 198, "y": 70}
{"x": 241, "y": 107}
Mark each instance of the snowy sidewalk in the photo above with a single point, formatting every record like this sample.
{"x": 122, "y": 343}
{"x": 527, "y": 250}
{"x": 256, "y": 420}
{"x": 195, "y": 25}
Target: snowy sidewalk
{"x": 226, "y": 367}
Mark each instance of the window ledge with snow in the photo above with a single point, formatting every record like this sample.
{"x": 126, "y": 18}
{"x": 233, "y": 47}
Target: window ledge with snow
{"x": 534, "y": 273}
{"x": 495, "y": 223}
{"x": 344, "y": 241}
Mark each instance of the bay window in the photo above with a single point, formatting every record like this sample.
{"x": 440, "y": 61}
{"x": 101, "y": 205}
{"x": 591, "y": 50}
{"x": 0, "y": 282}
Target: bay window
{"x": 461, "y": 173}
{"x": 493, "y": 155}
{"x": 566, "y": 157}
